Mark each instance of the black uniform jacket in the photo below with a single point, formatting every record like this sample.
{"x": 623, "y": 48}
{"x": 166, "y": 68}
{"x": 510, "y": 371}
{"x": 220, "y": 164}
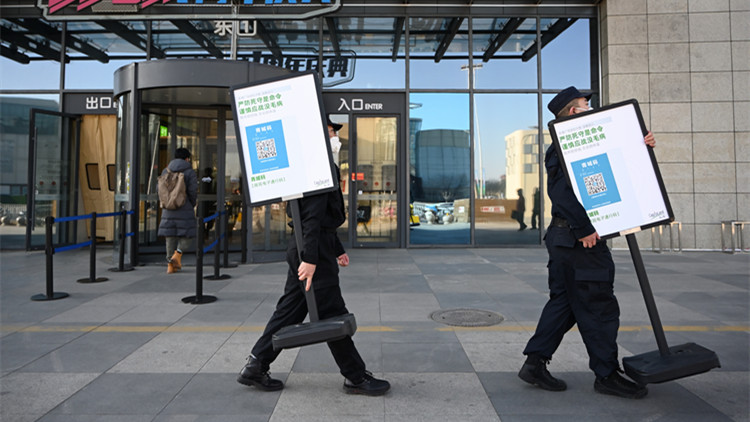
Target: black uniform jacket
{"x": 321, "y": 215}
{"x": 565, "y": 205}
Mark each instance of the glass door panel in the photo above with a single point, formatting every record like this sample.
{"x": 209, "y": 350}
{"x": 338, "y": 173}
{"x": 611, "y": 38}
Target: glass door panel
{"x": 233, "y": 186}
{"x": 154, "y": 157}
{"x": 54, "y": 186}
{"x": 375, "y": 181}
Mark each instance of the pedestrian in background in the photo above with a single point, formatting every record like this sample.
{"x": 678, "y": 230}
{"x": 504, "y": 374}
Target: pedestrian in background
{"x": 520, "y": 209}
{"x": 178, "y": 225}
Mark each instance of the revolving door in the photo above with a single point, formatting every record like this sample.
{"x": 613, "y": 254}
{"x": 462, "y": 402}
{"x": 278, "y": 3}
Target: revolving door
{"x": 170, "y": 104}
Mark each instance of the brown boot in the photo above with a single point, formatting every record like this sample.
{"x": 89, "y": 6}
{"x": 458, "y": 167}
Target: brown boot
{"x": 176, "y": 260}
{"x": 170, "y": 268}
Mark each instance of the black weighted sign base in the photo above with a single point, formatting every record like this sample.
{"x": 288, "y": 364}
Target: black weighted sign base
{"x": 321, "y": 331}
{"x": 682, "y": 361}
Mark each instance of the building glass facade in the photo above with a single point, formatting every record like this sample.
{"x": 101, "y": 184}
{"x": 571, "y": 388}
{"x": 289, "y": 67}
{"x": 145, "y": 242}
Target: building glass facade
{"x": 468, "y": 134}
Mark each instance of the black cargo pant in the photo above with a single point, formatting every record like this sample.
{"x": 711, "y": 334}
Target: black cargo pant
{"x": 581, "y": 284}
{"x": 292, "y": 309}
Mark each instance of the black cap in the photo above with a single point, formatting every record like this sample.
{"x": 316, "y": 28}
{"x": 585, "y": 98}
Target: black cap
{"x": 336, "y": 127}
{"x": 564, "y": 97}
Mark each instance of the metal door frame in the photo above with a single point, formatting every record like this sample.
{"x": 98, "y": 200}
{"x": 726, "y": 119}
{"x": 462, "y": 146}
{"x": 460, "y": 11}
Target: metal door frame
{"x": 353, "y": 163}
{"x": 65, "y": 131}
{"x": 356, "y": 104}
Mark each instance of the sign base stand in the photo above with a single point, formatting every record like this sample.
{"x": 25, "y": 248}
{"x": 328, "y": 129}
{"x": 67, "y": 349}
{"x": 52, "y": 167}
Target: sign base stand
{"x": 315, "y": 331}
{"x": 667, "y": 363}
{"x": 682, "y": 361}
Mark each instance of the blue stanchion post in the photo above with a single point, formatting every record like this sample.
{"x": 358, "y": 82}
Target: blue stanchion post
{"x": 49, "y": 251}
{"x": 92, "y": 258}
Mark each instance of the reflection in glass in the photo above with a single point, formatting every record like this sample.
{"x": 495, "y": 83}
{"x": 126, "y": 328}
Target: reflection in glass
{"x": 377, "y": 219}
{"x": 437, "y": 57}
{"x": 507, "y": 169}
{"x": 571, "y": 47}
{"x": 154, "y": 146}
{"x": 14, "y": 162}
{"x": 344, "y": 171}
{"x": 506, "y": 61}
{"x": 439, "y": 148}
{"x": 233, "y": 185}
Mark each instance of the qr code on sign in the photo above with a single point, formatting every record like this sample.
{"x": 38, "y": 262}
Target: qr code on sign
{"x": 595, "y": 184}
{"x": 266, "y": 148}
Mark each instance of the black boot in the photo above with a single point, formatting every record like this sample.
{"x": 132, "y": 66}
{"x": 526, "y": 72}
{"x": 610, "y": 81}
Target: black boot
{"x": 368, "y": 385}
{"x": 616, "y": 385}
{"x": 534, "y": 371}
{"x": 253, "y": 374}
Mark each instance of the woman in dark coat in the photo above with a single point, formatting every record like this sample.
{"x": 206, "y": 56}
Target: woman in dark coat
{"x": 178, "y": 226}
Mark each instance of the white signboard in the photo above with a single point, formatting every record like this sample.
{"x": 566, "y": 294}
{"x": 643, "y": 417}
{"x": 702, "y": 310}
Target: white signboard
{"x": 611, "y": 170}
{"x": 283, "y": 138}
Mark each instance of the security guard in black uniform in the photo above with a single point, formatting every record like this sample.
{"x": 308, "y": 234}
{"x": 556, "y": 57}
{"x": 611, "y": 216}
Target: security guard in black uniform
{"x": 581, "y": 281}
{"x": 321, "y": 253}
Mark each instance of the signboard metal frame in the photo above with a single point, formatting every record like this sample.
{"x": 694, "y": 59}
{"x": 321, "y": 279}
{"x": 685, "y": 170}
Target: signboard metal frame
{"x": 317, "y": 133}
{"x": 609, "y": 167}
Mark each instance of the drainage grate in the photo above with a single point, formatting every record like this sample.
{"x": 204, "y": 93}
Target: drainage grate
{"x": 467, "y": 317}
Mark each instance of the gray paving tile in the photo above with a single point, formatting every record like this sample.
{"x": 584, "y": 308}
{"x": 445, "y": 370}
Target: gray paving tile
{"x": 96, "y": 418}
{"x": 173, "y": 352}
{"x": 91, "y": 352}
{"x": 726, "y": 391}
{"x": 425, "y": 357}
{"x": 511, "y": 396}
{"x": 22, "y": 348}
{"x": 151, "y": 357}
{"x": 437, "y": 396}
{"x": 25, "y": 394}
{"x": 221, "y": 394}
{"x": 320, "y": 397}
{"x": 125, "y": 394}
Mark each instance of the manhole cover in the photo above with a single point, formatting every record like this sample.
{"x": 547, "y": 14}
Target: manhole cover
{"x": 467, "y": 317}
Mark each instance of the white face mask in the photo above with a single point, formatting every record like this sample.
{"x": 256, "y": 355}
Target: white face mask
{"x": 335, "y": 148}
{"x": 581, "y": 109}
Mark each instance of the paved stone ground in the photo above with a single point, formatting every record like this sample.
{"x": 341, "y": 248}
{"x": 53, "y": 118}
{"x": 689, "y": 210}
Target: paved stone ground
{"x": 128, "y": 349}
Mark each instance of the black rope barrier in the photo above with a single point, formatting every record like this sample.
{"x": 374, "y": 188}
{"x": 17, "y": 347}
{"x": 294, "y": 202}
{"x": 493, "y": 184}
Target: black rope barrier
{"x": 50, "y": 250}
